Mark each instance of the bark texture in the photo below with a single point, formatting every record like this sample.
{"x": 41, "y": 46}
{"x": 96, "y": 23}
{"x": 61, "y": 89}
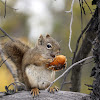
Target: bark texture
{"x": 44, "y": 95}
{"x": 83, "y": 52}
{"x": 95, "y": 94}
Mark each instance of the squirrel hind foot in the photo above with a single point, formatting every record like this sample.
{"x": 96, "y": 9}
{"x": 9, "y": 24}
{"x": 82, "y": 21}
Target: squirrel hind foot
{"x": 35, "y": 92}
{"x": 53, "y": 89}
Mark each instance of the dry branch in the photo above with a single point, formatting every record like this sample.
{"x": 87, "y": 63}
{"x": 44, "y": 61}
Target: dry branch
{"x": 67, "y": 70}
{"x": 71, "y": 21}
{"x": 44, "y": 95}
{"x": 13, "y": 72}
{"x": 83, "y": 52}
{"x": 6, "y": 34}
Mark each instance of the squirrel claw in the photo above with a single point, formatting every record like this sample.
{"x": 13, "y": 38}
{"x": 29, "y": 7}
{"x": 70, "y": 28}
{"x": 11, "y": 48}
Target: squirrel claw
{"x": 35, "y": 92}
{"x": 56, "y": 88}
{"x": 52, "y": 90}
{"x": 49, "y": 61}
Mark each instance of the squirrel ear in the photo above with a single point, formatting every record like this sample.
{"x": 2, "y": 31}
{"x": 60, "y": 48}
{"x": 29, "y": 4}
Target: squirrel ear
{"x": 40, "y": 40}
{"x": 47, "y": 36}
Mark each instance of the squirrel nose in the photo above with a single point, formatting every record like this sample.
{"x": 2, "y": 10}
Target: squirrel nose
{"x": 55, "y": 54}
{"x": 52, "y": 55}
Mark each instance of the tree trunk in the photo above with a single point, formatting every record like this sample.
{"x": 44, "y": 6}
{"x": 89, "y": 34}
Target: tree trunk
{"x": 95, "y": 94}
{"x": 82, "y": 53}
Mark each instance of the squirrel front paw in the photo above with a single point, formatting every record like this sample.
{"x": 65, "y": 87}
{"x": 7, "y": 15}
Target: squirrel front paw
{"x": 53, "y": 89}
{"x": 35, "y": 92}
{"x": 48, "y": 61}
{"x": 58, "y": 63}
{"x": 60, "y": 67}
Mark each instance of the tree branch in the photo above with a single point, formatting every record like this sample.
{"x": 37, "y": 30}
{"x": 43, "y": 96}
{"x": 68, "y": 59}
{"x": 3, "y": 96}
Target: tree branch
{"x": 90, "y": 36}
{"x": 67, "y": 71}
{"x": 70, "y": 11}
{"x": 78, "y": 40}
{"x": 44, "y": 95}
{"x": 88, "y": 6}
{"x": 6, "y": 34}
{"x": 83, "y": 52}
{"x": 5, "y": 9}
{"x": 7, "y": 5}
{"x": 7, "y": 64}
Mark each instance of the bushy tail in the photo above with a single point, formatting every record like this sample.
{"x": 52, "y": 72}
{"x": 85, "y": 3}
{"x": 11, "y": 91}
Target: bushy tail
{"x": 15, "y": 50}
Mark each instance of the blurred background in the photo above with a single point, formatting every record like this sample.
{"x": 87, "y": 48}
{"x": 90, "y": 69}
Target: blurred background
{"x": 27, "y": 19}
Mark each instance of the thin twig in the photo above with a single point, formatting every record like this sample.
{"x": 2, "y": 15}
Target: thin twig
{"x": 81, "y": 15}
{"x": 5, "y": 9}
{"x": 7, "y": 5}
{"x": 18, "y": 83}
{"x": 6, "y": 34}
{"x": 6, "y": 63}
{"x": 88, "y": 6}
{"x": 78, "y": 40}
{"x": 70, "y": 11}
{"x": 85, "y": 29}
{"x": 15, "y": 86}
{"x": 81, "y": 6}
{"x": 2, "y": 36}
{"x": 67, "y": 70}
{"x": 64, "y": 79}
{"x": 87, "y": 62}
{"x": 63, "y": 83}
{"x": 67, "y": 82}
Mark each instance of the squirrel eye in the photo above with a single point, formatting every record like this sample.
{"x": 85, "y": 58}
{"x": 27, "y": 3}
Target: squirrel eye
{"x": 49, "y": 46}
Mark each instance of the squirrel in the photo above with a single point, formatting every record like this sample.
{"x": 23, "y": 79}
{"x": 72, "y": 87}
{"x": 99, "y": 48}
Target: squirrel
{"x": 31, "y": 62}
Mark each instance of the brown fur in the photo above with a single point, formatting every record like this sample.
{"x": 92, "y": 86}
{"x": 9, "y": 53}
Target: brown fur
{"x": 30, "y": 58}
{"x": 23, "y": 56}
{"x": 16, "y": 49}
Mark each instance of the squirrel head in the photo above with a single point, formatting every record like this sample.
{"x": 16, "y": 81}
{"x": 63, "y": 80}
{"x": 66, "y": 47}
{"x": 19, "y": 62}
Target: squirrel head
{"x": 48, "y": 46}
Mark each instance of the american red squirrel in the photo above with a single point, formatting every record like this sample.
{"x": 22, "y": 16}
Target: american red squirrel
{"x": 31, "y": 62}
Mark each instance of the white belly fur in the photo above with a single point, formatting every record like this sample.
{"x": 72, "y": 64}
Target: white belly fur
{"x": 39, "y": 76}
